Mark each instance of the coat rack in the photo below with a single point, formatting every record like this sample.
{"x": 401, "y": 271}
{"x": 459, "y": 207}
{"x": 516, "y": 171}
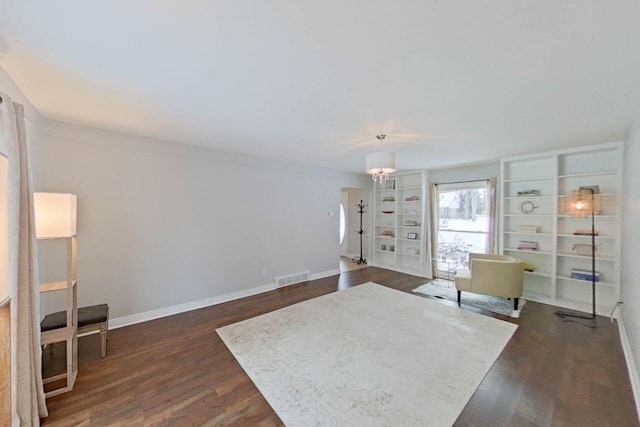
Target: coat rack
{"x": 360, "y": 260}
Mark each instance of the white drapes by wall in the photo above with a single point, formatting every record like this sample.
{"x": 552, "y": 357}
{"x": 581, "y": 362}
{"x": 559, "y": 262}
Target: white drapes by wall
{"x": 492, "y": 208}
{"x": 28, "y": 399}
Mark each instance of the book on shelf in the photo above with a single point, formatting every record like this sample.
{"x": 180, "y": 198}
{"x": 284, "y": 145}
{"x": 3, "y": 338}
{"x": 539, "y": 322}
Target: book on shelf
{"x": 526, "y": 229}
{"x": 527, "y": 245}
{"x": 529, "y": 267}
{"x": 580, "y": 274}
{"x": 585, "y": 233}
{"x": 525, "y": 193}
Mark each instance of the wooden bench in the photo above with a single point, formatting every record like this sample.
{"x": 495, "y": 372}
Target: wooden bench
{"x": 91, "y": 319}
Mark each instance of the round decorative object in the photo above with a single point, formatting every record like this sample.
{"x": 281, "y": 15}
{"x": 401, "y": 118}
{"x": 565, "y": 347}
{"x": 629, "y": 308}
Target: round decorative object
{"x": 526, "y": 207}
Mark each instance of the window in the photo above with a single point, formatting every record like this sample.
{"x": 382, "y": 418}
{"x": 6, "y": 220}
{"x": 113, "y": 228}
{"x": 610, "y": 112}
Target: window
{"x": 463, "y": 224}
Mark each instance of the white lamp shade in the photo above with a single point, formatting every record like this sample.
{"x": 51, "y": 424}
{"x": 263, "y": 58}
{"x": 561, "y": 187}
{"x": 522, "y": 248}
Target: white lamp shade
{"x": 55, "y": 215}
{"x": 381, "y": 161}
{"x": 4, "y": 230}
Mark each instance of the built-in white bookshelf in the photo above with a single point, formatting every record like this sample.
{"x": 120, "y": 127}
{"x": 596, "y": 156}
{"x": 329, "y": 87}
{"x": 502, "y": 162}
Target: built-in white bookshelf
{"x": 554, "y": 175}
{"x": 398, "y": 223}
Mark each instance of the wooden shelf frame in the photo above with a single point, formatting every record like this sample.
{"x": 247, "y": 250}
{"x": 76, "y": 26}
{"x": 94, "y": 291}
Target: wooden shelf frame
{"x": 68, "y": 334}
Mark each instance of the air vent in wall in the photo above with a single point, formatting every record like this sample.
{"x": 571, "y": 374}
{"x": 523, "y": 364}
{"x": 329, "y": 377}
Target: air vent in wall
{"x": 292, "y": 279}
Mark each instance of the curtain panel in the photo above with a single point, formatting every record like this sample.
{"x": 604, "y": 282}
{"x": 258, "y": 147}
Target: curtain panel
{"x": 27, "y": 393}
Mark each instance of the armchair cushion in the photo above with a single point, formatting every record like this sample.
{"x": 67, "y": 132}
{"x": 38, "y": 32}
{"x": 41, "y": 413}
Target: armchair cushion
{"x": 496, "y": 275}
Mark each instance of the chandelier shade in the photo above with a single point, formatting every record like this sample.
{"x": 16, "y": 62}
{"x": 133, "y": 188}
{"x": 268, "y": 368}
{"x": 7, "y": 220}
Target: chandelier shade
{"x": 380, "y": 164}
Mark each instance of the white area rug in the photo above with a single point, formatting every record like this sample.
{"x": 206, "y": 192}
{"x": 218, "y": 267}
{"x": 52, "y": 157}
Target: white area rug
{"x": 447, "y": 289}
{"x": 367, "y": 356}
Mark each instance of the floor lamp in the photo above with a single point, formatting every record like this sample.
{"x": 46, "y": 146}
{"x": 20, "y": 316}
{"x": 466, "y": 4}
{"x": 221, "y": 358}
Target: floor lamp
{"x": 582, "y": 204}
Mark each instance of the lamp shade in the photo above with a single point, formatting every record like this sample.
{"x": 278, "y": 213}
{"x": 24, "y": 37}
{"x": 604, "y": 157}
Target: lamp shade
{"x": 380, "y": 162}
{"x": 55, "y": 215}
{"x": 582, "y": 202}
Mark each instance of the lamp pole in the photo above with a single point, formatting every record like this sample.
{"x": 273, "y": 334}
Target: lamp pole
{"x": 563, "y": 314}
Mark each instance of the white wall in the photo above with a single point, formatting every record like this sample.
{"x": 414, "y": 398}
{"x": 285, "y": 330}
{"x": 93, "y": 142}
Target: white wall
{"x": 353, "y": 219}
{"x": 8, "y": 86}
{"x": 161, "y": 223}
{"x": 33, "y": 119}
{"x": 630, "y": 275}
{"x": 465, "y": 173}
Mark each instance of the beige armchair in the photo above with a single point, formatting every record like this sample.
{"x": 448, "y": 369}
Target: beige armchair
{"x": 495, "y": 275}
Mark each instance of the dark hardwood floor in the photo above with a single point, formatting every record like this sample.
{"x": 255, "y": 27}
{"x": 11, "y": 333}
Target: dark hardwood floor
{"x": 176, "y": 371}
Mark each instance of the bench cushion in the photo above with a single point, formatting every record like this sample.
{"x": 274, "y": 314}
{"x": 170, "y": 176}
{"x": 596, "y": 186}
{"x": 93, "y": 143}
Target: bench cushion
{"x": 86, "y": 316}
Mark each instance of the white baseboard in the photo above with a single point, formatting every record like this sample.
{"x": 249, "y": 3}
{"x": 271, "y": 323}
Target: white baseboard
{"x": 631, "y": 364}
{"x": 187, "y": 306}
{"x": 206, "y": 302}
{"x": 323, "y": 274}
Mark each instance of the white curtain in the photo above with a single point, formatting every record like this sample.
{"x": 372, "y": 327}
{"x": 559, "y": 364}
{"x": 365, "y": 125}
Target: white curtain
{"x": 492, "y": 207}
{"x": 28, "y": 399}
{"x": 428, "y": 267}
{"x": 433, "y": 227}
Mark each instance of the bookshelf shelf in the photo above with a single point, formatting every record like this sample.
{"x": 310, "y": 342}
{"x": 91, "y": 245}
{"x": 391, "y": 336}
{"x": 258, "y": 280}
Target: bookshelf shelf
{"x": 558, "y": 174}
{"x": 402, "y": 258}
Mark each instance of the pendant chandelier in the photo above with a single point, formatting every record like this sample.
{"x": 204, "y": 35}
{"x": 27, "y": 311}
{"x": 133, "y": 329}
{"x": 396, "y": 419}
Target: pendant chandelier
{"x": 381, "y": 163}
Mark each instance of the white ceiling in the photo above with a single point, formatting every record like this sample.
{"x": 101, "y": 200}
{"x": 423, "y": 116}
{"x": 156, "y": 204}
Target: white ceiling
{"x": 449, "y": 81}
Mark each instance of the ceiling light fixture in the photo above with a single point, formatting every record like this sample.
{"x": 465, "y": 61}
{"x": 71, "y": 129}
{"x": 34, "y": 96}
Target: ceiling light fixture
{"x": 381, "y": 163}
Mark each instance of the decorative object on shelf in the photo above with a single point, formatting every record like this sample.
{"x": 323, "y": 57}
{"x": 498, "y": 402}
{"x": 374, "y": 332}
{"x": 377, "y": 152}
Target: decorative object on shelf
{"x": 584, "y": 233}
{"x": 411, "y": 199}
{"x": 583, "y": 202}
{"x": 411, "y": 223}
{"x": 412, "y": 236}
{"x": 388, "y": 212}
{"x": 383, "y": 247}
{"x": 381, "y": 163}
{"x": 527, "y": 207}
{"x": 524, "y": 193}
{"x": 387, "y": 233}
{"x": 529, "y": 229}
{"x": 392, "y": 248}
{"x": 388, "y": 199}
{"x": 391, "y": 185}
{"x": 577, "y": 273}
{"x": 529, "y": 267}
{"x": 527, "y": 245}
{"x": 360, "y": 211}
{"x": 584, "y": 249}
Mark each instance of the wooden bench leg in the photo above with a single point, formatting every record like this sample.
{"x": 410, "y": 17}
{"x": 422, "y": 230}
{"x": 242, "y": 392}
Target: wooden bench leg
{"x": 103, "y": 343}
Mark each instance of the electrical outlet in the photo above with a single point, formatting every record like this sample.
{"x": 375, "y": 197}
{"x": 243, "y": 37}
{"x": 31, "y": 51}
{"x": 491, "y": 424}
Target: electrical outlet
{"x": 265, "y": 271}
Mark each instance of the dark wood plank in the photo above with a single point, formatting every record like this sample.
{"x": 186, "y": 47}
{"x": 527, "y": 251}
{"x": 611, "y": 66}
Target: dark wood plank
{"x": 177, "y": 371}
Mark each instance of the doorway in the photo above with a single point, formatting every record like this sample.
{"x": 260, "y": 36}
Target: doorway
{"x": 349, "y": 226}
{"x": 344, "y": 225}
